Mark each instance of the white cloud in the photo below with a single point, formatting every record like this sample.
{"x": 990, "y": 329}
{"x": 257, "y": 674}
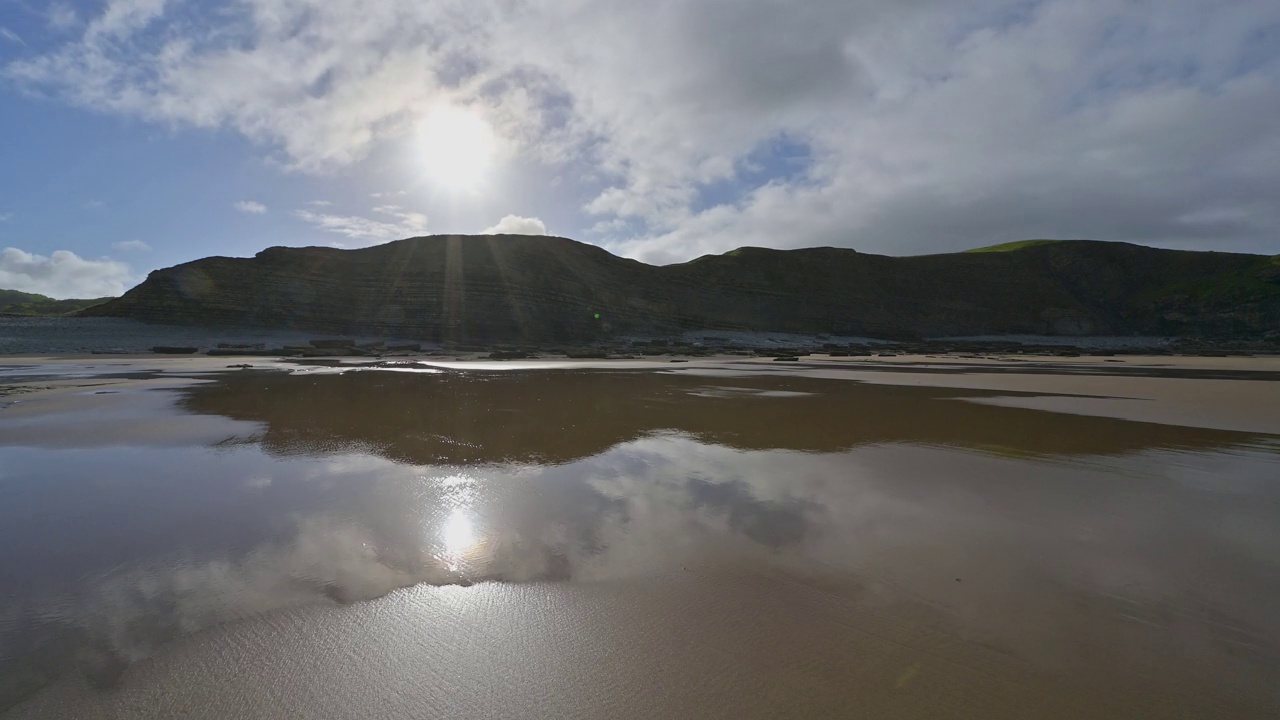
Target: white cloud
{"x": 924, "y": 125}
{"x": 319, "y": 203}
{"x": 322, "y": 80}
{"x": 62, "y": 17}
{"x": 516, "y": 225}
{"x": 63, "y": 274}
{"x": 250, "y": 207}
{"x": 11, "y": 36}
{"x": 94, "y": 205}
{"x": 131, "y": 245}
{"x": 367, "y": 230}
{"x": 122, "y": 18}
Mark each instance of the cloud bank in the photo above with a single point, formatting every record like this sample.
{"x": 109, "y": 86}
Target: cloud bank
{"x": 693, "y": 126}
{"x": 62, "y": 274}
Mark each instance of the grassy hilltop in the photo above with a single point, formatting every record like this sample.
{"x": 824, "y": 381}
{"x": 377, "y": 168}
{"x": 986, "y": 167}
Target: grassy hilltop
{"x": 510, "y": 287}
{"x": 13, "y": 302}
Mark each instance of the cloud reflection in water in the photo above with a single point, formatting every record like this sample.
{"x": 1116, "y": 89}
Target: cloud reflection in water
{"x": 356, "y": 487}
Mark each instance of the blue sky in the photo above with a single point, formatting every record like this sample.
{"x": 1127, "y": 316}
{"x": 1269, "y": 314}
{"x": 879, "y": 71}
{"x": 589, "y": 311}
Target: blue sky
{"x": 137, "y": 134}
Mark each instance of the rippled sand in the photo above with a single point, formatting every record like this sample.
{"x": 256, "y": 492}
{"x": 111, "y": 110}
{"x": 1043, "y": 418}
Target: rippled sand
{"x": 908, "y": 539}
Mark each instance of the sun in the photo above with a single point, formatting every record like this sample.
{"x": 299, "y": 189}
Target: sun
{"x": 456, "y": 147}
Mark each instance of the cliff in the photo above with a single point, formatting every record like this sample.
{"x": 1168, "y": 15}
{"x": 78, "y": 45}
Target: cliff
{"x": 484, "y": 288}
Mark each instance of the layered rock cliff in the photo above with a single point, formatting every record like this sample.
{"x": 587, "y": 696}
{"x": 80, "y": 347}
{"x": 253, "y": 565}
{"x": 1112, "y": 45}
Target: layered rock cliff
{"x": 485, "y": 288}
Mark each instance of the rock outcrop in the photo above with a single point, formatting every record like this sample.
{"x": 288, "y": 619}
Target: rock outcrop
{"x": 546, "y": 289}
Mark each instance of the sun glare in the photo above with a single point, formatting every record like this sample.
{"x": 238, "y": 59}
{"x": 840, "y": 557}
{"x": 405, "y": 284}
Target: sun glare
{"x": 456, "y": 148}
{"x": 458, "y": 536}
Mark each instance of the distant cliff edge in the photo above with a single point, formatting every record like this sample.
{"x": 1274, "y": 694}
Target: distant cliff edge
{"x": 509, "y": 287}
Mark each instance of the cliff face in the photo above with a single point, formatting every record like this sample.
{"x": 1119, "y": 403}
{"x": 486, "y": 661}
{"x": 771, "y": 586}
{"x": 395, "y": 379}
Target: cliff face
{"x": 482, "y": 288}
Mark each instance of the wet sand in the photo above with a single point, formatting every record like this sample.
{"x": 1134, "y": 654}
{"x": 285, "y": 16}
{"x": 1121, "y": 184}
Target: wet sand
{"x": 901, "y": 537}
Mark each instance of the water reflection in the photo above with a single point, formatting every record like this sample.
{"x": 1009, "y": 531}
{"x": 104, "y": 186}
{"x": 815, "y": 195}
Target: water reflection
{"x": 352, "y": 486}
{"x": 561, "y": 416}
{"x": 458, "y": 536}
{"x": 101, "y": 594}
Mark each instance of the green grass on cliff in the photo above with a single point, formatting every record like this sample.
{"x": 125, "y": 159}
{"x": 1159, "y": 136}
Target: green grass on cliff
{"x": 1255, "y": 280}
{"x": 1011, "y": 246}
{"x": 13, "y": 302}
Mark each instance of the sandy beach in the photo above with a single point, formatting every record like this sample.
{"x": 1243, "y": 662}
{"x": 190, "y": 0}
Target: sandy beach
{"x": 678, "y": 360}
{"x": 905, "y": 536}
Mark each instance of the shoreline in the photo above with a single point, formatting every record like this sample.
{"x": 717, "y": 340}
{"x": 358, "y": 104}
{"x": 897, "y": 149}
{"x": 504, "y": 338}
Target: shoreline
{"x": 122, "y": 337}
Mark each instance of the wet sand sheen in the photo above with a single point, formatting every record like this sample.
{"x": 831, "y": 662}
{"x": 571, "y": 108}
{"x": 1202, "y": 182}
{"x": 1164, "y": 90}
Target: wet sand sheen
{"x": 636, "y": 544}
{"x": 671, "y": 647}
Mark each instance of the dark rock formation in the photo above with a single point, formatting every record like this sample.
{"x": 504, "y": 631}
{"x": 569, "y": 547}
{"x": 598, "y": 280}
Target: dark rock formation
{"x": 494, "y": 288}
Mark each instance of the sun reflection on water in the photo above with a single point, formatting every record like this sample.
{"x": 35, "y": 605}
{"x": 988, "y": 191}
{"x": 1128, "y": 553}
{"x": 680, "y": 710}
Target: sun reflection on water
{"x": 458, "y": 533}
